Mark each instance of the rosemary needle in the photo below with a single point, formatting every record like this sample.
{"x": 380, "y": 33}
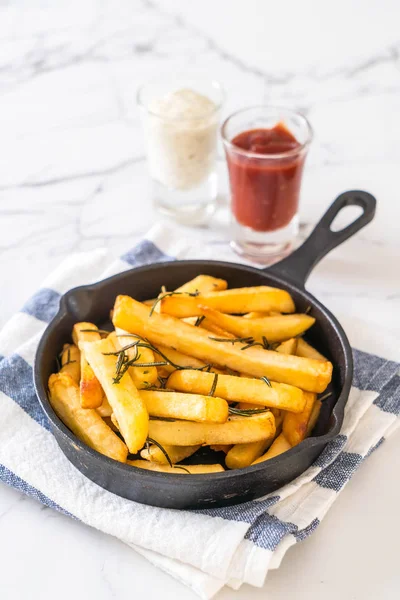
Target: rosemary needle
{"x": 163, "y": 450}
{"x": 214, "y": 385}
{"x": 246, "y": 412}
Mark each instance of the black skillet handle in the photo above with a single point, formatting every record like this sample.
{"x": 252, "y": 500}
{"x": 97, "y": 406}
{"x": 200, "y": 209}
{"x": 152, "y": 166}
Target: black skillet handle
{"x": 322, "y": 240}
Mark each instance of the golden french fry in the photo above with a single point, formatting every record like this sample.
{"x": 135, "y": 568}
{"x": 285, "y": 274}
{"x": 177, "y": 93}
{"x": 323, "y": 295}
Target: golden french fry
{"x": 128, "y": 407}
{"x": 109, "y": 422}
{"x": 114, "y": 422}
{"x": 307, "y": 374}
{"x": 209, "y": 325}
{"x": 71, "y": 362}
{"x": 256, "y": 314}
{"x": 275, "y": 329}
{"x": 191, "y": 407}
{"x": 288, "y": 347}
{"x": 183, "y": 360}
{"x": 105, "y": 409}
{"x": 177, "y": 469}
{"x": 85, "y": 423}
{"x": 279, "y": 446}
{"x": 203, "y": 284}
{"x": 235, "y": 431}
{"x": 199, "y": 285}
{"x": 314, "y": 417}
{"x": 295, "y": 425}
{"x": 221, "y": 447}
{"x": 90, "y": 389}
{"x": 307, "y": 351}
{"x": 243, "y": 455}
{"x": 239, "y": 389}
{"x": 175, "y": 453}
{"x": 238, "y": 300}
{"x": 142, "y": 376}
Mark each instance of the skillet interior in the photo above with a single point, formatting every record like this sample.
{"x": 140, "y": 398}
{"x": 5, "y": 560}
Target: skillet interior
{"x": 93, "y": 303}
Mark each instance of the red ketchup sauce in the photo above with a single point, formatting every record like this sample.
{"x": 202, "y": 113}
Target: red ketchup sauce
{"x": 265, "y": 192}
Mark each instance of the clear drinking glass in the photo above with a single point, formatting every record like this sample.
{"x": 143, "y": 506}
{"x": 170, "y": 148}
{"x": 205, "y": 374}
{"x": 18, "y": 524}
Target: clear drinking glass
{"x": 265, "y": 173}
{"x": 181, "y": 129}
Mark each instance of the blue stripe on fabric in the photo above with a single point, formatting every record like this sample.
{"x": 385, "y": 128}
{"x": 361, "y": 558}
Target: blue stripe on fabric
{"x": 247, "y": 512}
{"x": 372, "y": 372}
{"x": 302, "y": 534}
{"x": 145, "y": 253}
{"x": 16, "y": 381}
{"x": 330, "y": 452}
{"x": 16, "y": 482}
{"x": 268, "y": 531}
{"x": 43, "y": 305}
{"x": 336, "y": 475}
{"x": 389, "y": 399}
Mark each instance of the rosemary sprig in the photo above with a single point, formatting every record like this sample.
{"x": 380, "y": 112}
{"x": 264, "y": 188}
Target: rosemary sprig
{"x": 101, "y": 331}
{"x": 163, "y": 450}
{"x": 68, "y": 361}
{"x": 266, "y": 380}
{"x": 308, "y": 309}
{"x": 214, "y": 385}
{"x": 154, "y": 418}
{"x": 233, "y": 341}
{"x": 325, "y": 396}
{"x": 264, "y": 344}
{"x": 165, "y": 294}
{"x": 199, "y": 320}
{"x": 149, "y": 364}
{"x": 181, "y": 467}
{"x": 246, "y": 412}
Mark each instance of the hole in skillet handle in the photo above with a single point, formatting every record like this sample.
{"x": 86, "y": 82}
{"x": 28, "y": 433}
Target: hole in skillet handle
{"x": 298, "y": 266}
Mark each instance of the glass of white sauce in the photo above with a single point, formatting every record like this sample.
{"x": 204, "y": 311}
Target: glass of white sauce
{"x": 181, "y": 122}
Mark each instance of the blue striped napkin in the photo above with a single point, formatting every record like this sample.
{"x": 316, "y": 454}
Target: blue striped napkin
{"x": 233, "y": 545}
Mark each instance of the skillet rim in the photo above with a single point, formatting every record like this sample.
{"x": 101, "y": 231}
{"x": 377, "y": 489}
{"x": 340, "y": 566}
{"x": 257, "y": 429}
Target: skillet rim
{"x": 191, "y": 479}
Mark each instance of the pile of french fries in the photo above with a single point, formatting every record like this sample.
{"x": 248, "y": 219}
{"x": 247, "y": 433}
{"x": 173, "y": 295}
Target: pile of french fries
{"x": 199, "y": 366}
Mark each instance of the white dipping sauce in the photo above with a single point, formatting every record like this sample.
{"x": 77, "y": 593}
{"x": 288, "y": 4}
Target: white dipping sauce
{"x": 181, "y": 130}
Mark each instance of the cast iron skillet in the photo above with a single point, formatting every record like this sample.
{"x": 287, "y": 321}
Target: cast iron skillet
{"x": 93, "y": 303}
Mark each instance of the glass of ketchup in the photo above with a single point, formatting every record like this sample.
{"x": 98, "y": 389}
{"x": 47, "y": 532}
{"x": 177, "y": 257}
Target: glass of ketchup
{"x": 265, "y": 149}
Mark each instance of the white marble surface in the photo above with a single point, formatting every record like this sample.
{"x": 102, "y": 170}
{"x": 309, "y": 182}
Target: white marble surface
{"x": 72, "y": 169}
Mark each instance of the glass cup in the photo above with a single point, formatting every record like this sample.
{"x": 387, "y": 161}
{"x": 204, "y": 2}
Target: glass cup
{"x": 181, "y": 130}
{"x": 265, "y": 172}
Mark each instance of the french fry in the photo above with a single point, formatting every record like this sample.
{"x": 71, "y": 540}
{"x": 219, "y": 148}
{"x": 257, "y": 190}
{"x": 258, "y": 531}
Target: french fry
{"x": 91, "y": 392}
{"x": 259, "y": 314}
{"x": 190, "y": 407}
{"x": 128, "y": 407}
{"x": 314, "y": 417}
{"x": 243, "y": 455}
{"x": 199, "y": 285}
{"x": 221, "y": 447}
{"x": 114, "y": 422}
{"x": 239, "y": 389}
{"x": 178, "y": 469}
{"x": 142, "y": 376}
{"x": 238, "y": 300}
{"x": 237, "y": 430}
{"x": 175, "y": 453}
{"x": 295, "y": 425}
{"x": 203, "y": 284}
{"x": 85, "y": 423}
{"x": 307, "y": 351}
{"x": 279, "y": 446}
{"x": 275, "y": 329}
{"x": 110, "y": 423}
{"x": 183, "y": 360}
{"x": 71, "y": 362}
{"x": 104, "y": 409}
{"x": 210, "y": 326}
{"x": 307, "y": 374}
{"x": 288, "y": 347}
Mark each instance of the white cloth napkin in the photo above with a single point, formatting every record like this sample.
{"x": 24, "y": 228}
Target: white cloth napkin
{"x": 204, "y": 549}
